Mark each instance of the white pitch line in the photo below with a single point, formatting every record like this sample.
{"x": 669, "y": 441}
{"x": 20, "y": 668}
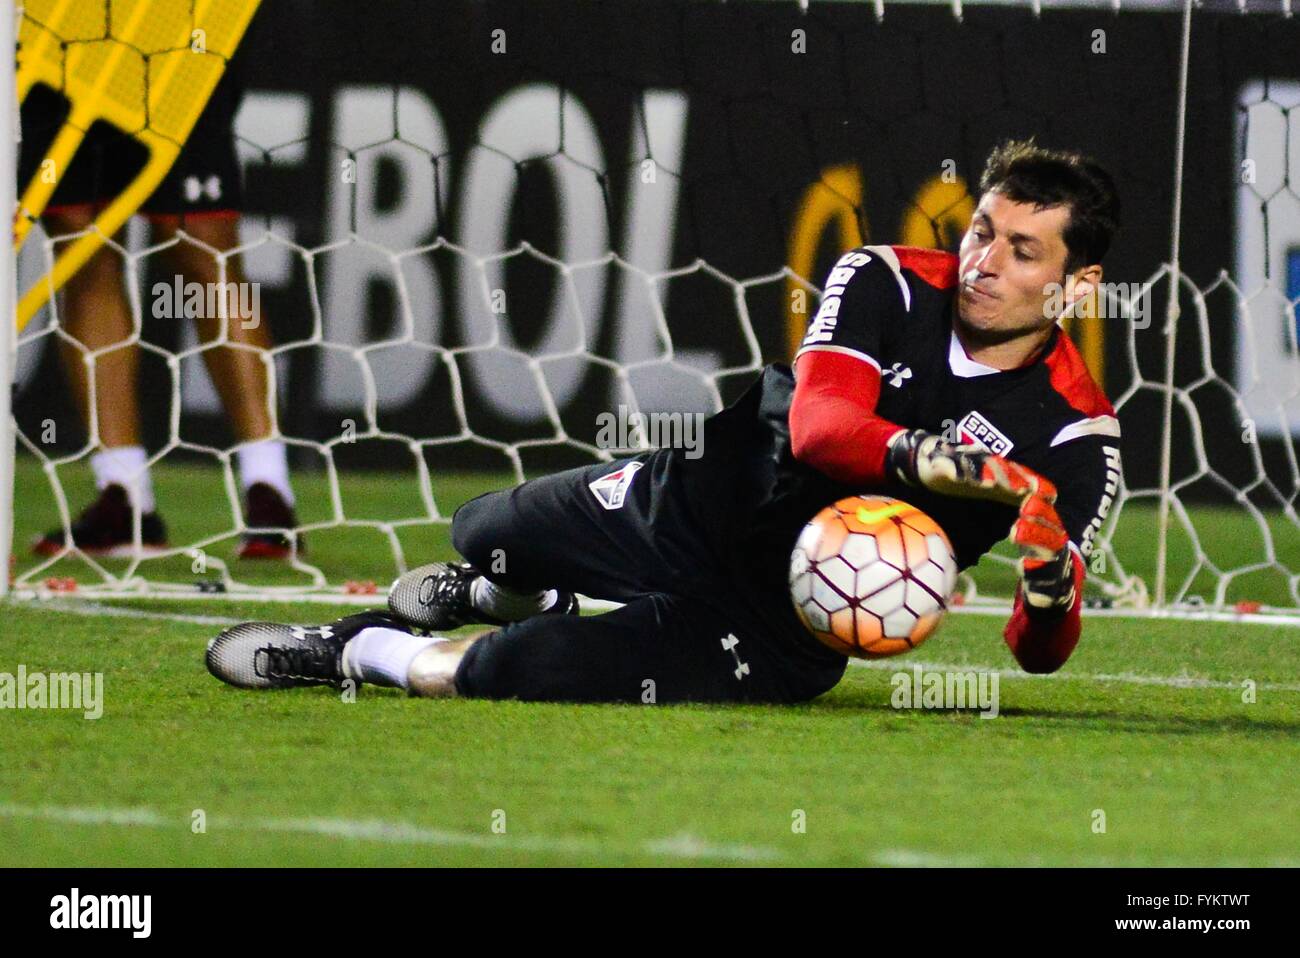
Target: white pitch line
{"x": 94, "y": 609}
{"x": 887, "y": 665}
{"x": 683, "y": 845}
{"x": 906, "y": 858}
{"x": 1278, "y": 619}
{"x": 397, "y": 833}
{"x": 1127, "y": 678}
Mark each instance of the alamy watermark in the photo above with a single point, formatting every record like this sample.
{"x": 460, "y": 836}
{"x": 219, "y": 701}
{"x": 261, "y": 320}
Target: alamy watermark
{"x": 73, "y": 911}
{"x": 919, "y": 689}
{"x": 179, "y": 299}
{"x": 80, "y": 691}
{"x": 626, "y": 429}
{"x": 1110, "y": 301}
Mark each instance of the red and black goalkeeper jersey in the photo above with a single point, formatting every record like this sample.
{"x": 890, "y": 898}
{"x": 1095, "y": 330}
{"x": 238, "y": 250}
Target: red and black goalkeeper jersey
{"x": 891, "y": 309}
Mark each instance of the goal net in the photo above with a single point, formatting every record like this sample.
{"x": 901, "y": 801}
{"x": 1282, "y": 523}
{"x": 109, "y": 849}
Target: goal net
{"x": 512, "y": 238}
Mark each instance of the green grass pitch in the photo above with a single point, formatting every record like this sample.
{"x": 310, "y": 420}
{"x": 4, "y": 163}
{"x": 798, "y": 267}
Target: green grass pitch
{"x": 1149, "y": 725}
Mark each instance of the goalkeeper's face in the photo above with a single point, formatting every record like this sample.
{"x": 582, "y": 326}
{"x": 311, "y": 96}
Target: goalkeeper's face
{"x": 1012, "y": 277}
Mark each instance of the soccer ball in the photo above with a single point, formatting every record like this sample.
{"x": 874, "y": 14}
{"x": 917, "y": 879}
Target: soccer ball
{"x": 871, "y": 576}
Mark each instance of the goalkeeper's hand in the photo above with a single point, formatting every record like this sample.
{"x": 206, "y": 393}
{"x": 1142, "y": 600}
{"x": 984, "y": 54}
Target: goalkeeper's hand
{"x": 1046, "y": 569}
{"x": 919, "y": 458}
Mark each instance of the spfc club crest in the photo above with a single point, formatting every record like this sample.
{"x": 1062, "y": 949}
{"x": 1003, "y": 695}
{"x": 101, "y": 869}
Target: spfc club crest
{"x": 975, "y": 430}
{"x": 611, "y": 490}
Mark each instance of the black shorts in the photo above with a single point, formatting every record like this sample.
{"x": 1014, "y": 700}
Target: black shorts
{"x": 627, "y": 531}
{"x": 204, "y": 180}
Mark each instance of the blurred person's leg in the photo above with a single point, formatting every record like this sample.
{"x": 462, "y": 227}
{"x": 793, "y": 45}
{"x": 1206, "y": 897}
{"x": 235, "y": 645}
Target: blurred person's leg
{"x": 238, "y": 372}
{"x": 94, "y": 311}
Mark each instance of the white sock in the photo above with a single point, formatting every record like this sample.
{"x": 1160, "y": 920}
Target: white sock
{"x": 266, "y": 461}
{"x": 507, "y": 604}
{"x": 125, "y": 466}
{"x": 382, "y": 656}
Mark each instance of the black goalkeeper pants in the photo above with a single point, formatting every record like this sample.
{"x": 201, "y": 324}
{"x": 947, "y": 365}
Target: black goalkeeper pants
{"x": 627, "y": 531}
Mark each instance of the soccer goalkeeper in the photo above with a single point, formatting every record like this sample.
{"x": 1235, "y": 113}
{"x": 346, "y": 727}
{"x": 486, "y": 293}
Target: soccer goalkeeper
{"x": 940, "y": 379}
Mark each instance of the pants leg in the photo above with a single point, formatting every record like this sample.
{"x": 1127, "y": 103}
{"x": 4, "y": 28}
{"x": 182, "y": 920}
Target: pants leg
{"x": 621, "y": 540}
{"x": 624, "y": 531}
{"x": 656, "y": 649}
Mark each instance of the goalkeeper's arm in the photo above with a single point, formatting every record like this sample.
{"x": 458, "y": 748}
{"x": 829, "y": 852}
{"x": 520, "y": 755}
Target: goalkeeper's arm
{"x": 833, "y": 423}
{"x": 1054, "y": 534}
{"x": 835, "y": 429}
{"x": 1045, "y": 624}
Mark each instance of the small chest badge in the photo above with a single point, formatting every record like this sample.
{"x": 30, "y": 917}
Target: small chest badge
{"x": 974, "y": 429}
{"x": 610, "y": 490}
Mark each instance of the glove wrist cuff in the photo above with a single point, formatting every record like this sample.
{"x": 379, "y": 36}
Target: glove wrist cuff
{"x": 1054, "y": 580}
{"x": 900, "y": 455}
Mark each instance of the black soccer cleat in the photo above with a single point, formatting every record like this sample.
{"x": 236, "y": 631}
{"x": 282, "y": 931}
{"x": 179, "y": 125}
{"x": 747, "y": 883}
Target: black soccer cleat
{"x": 273, "y": 517}
{"x": 438, "y": 597}
{"x": 106, "y": 529}
{"x": 265, "y": 655}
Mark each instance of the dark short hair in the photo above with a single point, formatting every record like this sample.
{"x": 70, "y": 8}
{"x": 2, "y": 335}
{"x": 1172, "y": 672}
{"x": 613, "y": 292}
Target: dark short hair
{"x": 1024, "y": 172}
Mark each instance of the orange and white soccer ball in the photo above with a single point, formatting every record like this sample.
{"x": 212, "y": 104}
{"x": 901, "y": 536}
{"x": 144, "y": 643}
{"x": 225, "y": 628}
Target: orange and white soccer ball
{"x": 871, "y": 576}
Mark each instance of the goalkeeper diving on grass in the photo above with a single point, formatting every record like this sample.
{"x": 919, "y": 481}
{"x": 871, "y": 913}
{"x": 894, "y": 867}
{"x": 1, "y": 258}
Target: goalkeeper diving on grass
{"x": 937, "y": 378}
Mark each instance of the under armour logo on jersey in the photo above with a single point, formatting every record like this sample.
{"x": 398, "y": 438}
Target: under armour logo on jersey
{"x": 196, "y": 190}
{"x": 897, "y": 373}
{"x": 611, "y": 490}
{"x": 303, "y": 633}
{"x": 730, "y": 643}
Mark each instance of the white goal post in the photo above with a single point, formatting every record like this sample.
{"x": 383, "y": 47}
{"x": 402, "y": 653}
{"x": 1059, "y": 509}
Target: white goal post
{"x": 462, "y": 281}
{"x": 8, "y": 300}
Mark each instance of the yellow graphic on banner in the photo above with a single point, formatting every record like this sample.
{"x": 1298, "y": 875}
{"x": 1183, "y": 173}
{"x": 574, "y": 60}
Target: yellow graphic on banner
{"x": 835, "y": 198}
{"x": 148, "y": 67}
{"x": 939, "y": 215}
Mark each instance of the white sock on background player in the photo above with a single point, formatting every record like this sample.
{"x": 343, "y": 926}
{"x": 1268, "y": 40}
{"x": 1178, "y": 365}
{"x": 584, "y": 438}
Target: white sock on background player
{"x": 266, "y": 461}
{"x": 506, "y": 604}
{"x": 383, "y": 656}
{"x": 125, "y": 466}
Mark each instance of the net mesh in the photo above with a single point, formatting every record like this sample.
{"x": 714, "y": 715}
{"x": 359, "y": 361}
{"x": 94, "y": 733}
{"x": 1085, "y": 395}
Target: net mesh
{"x": 517, "y": 346}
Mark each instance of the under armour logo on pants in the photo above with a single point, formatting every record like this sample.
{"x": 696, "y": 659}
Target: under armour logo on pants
{"x": 730, "y": 643}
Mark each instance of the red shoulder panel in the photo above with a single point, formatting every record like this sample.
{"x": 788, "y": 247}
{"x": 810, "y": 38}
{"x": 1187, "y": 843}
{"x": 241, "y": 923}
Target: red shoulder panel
{"x": 937, "y": 267}
{"x": 1071, "y": 379}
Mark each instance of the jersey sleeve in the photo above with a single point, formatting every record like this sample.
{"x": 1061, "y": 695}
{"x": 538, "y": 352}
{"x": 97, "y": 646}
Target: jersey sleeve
{"x": 1085, "y": 466}
{"x": 862, "y": 298}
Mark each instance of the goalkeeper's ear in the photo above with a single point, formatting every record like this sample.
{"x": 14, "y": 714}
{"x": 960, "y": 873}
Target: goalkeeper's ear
{"x": 1079, "y": 285}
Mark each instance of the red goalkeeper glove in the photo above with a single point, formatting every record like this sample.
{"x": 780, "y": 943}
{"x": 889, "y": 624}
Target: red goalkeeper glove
{"x": 919, "y": 458}
{"x": 1046, "y": 571}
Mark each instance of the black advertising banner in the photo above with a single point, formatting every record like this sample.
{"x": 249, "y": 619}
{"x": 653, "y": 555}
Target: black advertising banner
{"x": 664, "y": 162}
